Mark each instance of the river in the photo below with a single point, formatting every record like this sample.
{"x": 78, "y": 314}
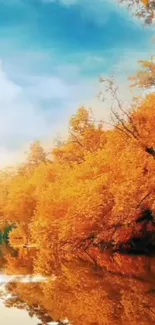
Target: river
{"x": 15, "y": 316}
{"x": 88, "y": 295}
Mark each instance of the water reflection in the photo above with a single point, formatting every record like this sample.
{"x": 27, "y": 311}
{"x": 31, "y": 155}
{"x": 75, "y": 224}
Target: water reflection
{"x": 121, "y": 291}
{"x": 20, "y": 278}
{"x": 15, "y": 316}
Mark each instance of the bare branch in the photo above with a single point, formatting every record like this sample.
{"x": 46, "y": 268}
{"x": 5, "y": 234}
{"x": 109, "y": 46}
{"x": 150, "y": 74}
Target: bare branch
{"x": 76, "y": 139}
{"x": 145, "y": 197}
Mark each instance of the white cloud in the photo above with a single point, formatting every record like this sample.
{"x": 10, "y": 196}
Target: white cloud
{"x": 10, "y": 157}
{"x": 24, "y": 117}
{"x": 18, "y": 116}
{"x": 51, "y": 87}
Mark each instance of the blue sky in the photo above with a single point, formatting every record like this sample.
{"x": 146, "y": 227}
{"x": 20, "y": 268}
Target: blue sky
{"x": 51, "y": 55}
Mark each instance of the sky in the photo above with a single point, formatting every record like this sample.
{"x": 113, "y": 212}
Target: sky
{"x": 51, "y": 55}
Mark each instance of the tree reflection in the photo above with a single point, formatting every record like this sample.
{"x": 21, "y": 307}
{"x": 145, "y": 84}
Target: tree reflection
{"x": 87, "y": 295}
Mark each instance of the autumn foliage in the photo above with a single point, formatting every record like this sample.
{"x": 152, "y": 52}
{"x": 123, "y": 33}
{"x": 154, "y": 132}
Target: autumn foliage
{"x": 92, "y": 200}
{"x": 143, "y": 9}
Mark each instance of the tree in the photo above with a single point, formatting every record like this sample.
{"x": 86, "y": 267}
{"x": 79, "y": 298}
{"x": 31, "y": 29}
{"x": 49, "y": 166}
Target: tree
{"x": 18, "y": 237}
{"x": 143, "y": 9}
{"x": 20, "y": 202}
{"x": 6, "y": 233}
{"x": 85, "y": 136}
{"x": 131, "y": 123}
{"x": 145, "y": 77}
{"x": 90, "y": 212}
{"x": 37, "y": 154}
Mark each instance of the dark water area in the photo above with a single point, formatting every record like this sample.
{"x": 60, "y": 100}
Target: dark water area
{"x": 120, "y": 291}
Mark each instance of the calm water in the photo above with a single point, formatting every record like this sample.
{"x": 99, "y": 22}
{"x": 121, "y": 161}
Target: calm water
{"x": 121, "y": 292}
{"x": 15, "y": 316}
